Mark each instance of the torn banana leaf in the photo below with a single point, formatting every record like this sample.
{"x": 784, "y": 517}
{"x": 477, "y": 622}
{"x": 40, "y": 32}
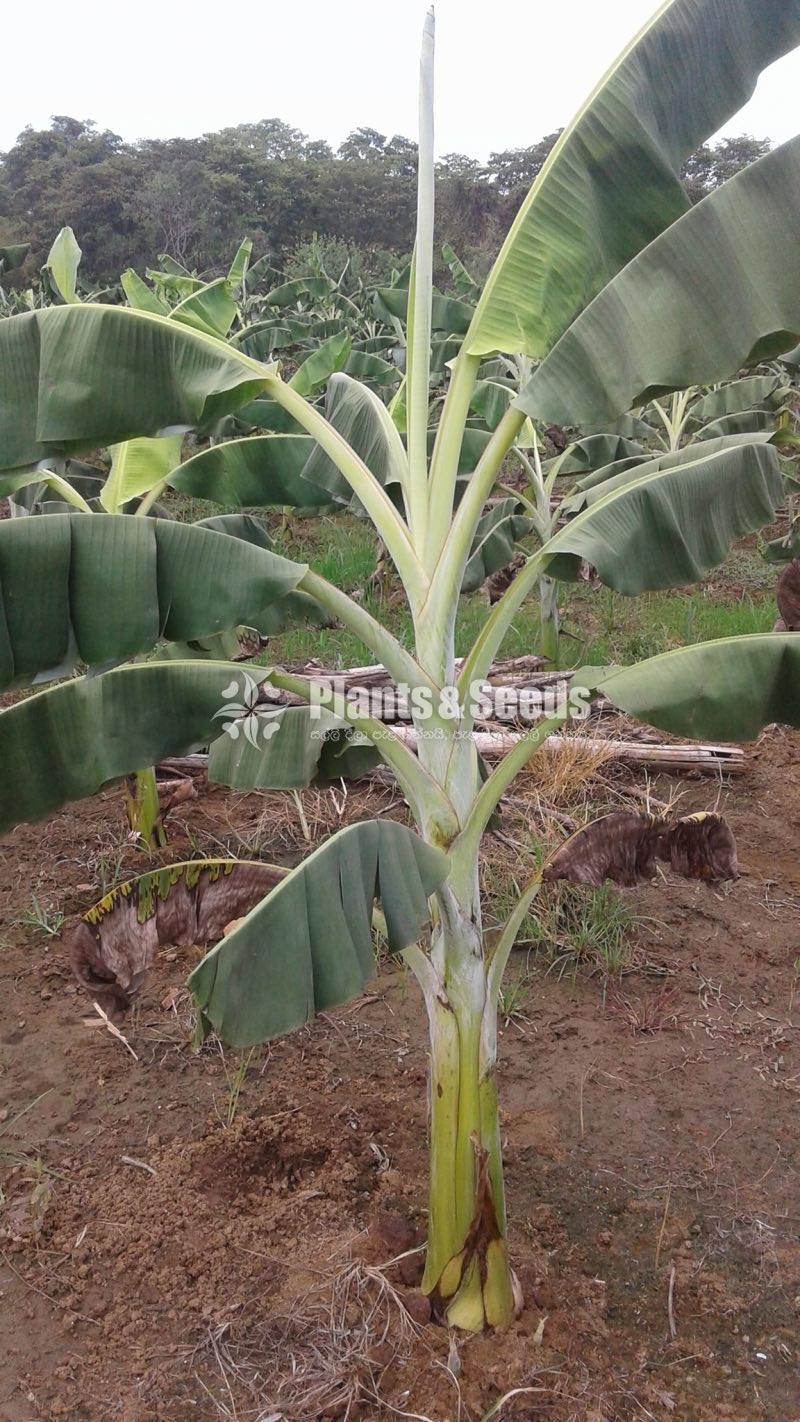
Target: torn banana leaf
{"x": 308, "y": 946}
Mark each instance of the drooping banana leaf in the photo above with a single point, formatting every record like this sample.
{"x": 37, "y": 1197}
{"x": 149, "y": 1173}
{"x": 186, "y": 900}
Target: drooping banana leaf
{"x": 728, "y": 689}
{"x": 365, "y": 423}
{"x": 739, "y": 395}
{"x": 262, "y": 338}
{"x": 670, "y": 526}
{"x": 258, "y": 271}
{"x": 490, "y": 399}
{"x": 96, "y": 589}
{"x": 69, "y": 741}
{"x": 447, "y": 314}
{"x": 743, "y": 422}
{"x": 264, "y": 471}
{"x": 74, "y": 377}
{"x": 292, "y": 291}
{"x": 611, "y": 183}
{"x": 612, "y": 476}
{"x": 680, "y": 313}
{"x": 257, "y": 415}
{"x": 115, "y": 942}
{"x": 288, "y": 748}
{"x": 598, "y": 450}
{"x": 174, "y": 278}
{"x": 291, "y": 610}
{"x": 363, "y": 365}
{"x": 375, "y": 345}
{"x": 442, "y": 352}
{"x": 495, "y": 542}
{"x": 308, "y": 946}
{"x": 249, "y": 527}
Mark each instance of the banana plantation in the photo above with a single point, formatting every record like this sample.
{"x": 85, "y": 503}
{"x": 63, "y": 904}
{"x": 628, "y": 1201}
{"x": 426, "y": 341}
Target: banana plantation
{"x": 400, "y": 746}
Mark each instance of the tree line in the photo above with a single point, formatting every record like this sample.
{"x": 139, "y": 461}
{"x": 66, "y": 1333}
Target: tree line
{"x": 195, "y": 198}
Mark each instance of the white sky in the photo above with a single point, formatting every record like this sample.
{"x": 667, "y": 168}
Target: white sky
{"x": 508, "y": 72}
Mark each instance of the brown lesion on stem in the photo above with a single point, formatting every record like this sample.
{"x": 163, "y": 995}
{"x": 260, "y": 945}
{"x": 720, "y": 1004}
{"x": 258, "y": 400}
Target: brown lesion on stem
{"x": 480, "y": 1266}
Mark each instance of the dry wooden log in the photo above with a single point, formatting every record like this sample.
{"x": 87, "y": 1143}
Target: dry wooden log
{"x": 376, "y": 675}
{"x": 706, "y": 759}
{"x": 700, "y": 759}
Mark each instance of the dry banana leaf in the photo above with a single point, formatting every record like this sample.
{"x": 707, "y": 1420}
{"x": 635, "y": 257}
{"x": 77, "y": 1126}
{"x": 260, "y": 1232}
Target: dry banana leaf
{"x": 115, "y": 942}
{"x": 626, "y": 846}
{"x": 787, "y": 596}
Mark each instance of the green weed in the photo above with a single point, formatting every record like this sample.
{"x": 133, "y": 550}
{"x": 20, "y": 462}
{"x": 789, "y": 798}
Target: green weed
{"x": 41, "y": 918}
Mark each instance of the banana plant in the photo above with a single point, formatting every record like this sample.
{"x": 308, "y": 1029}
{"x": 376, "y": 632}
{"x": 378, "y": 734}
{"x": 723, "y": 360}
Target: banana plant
{"x": 612, "y": 284}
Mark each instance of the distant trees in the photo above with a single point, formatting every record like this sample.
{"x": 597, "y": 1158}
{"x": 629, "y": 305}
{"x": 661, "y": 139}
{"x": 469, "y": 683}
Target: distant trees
{"x": 195, "y": 198}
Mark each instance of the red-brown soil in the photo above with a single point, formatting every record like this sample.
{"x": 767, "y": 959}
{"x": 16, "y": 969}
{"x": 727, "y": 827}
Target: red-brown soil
{"x": 651, "y": 1128}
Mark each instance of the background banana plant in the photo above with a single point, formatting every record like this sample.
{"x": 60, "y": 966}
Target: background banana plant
{"x": 615, "y": 288}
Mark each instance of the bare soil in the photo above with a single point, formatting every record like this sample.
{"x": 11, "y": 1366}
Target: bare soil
{"x": 170, "y": 1250}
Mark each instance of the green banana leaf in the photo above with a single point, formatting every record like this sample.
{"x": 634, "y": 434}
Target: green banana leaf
{"x": 681, "y": 313}
{"x": 61, "y": 267}
{"x": 363, "y": 365}
{"x": 447, "y": 314}
{"x": 375, "y": 345}
{"x": 740, "y": 395}
{"x": 490, "y": 399}
{"x": 178, "y": 281}
{"x": 317, "y": 288}
{"x": 289, "y": 748}
{"x": 249, "y": 527}
{"x": 308, "y": 946}
{"x": 291, "y": 610}
{"x": 495, "y": 542}
{"x": 172, "y": 267}
{"x": 258, "y": 415}
{"x": 136, "y": 467}
{"x": 258, "y": 270}
{"x": 211, "y": 309}
{"x": 261, "y": 339}
{"x": 743, "y": 422}
{"x": 140, "y": 296}
{"x": 464, "y": 284}
{"x": 784, "y": 549}
{"x": 264, "y": 471}
{"x": 311, "y": 330}
{"x": 70, "y": 740}
{"x": 95, "y": 589}
{"x": 365, "y": 423}
{"x": 442, "y": 353}
{"x": 74, "y": 377}
{"x": 611, "y": 183}
{"x": 626, "y": 471}
{"x": 728, "y": 690}
{"x": 13, "y": 256}
{"x": 670, "y": 526}
{"x": 237, "y": 272}
{"x": 597, "y": 451}
{"x": 320, "y": 365}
